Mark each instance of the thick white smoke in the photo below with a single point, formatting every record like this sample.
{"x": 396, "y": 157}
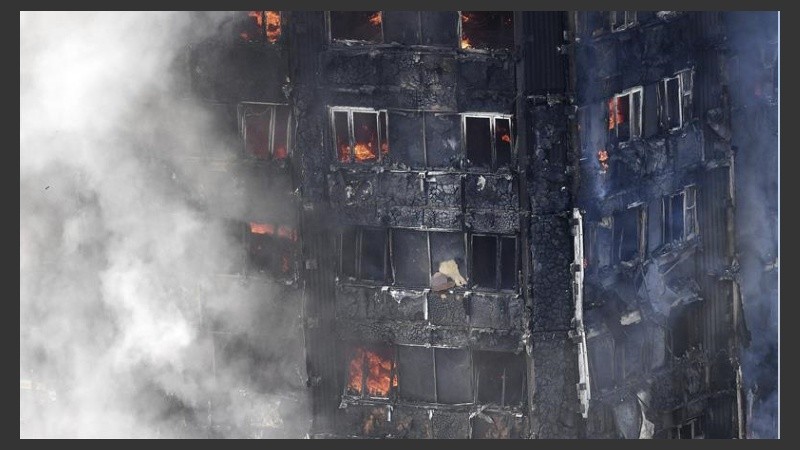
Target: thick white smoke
{"x": 115, "y": 264}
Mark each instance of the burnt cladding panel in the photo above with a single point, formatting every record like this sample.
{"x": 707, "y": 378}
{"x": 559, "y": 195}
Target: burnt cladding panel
{"x": 546, "y": 70}
{"x": 443, "y": 140}
{"x": 406, "y": 138}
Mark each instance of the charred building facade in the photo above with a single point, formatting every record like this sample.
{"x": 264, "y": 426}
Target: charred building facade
{"x": 491, "y": 224}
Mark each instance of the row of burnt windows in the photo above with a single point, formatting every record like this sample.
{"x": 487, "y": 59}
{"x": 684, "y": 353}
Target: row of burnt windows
{"x": 473, "y": 30}
{"x": 595, "y": 23}
{"x": 414, "y": 258}
{"x": 632, "y": 232}
{"x": 435, "y": 375}
{"x": 362, "y": 136}
{"x": 643, "y": 111}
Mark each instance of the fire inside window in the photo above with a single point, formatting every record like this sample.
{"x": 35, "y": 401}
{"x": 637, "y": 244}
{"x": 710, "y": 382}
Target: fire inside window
{"x": 625, "y": 114}
{"x": 272, "y": 249}
{"x": 628, "y": 234}
{"x": 488, "y": 140}
{"x": 679, "y": 215}
{"x": 493, "y": 262}
{"x": 371, "y": 372}
{"x": 360, "y": 135}
{"x": 265, "y": 129}
{"x": 261, "y": 26}
{"x": 675, "y": 95}
{"x": 359, "y": 26}
{"x": 487, "y": 29}
{"x": 621, "y": 20}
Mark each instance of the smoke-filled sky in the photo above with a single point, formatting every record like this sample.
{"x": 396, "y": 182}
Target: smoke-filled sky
{"x": 115, "y": 261}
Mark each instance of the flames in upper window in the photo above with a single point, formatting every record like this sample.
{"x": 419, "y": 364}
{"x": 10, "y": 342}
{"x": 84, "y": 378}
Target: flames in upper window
{"x": 262, "y": 26}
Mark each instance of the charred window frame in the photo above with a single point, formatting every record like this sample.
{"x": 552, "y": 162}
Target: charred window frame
{"x": 625, "y": 114}
{"x": 262, "y": 27}
{"x": 488, "y": 139}
{"x": 435, "y": 375}
{"x": 675, "y": 100}
{"x": 271, "y": 249}
{"x": 494, "y": 262}
{"x": 690, "y": 429}
{"x": 364, "y": 254}
{"x": 360, "y": 135}
{"x": 266, "y": 130}
{"x": 486, "y": 30}
{"x": 499, "y": 378}
{"x": 361, "y": 27}
{"x": 421, "y": 258}
{"x": 679, "y": 215}
{"x": 371, "y": 372}
{"x": 621, "y": 20}
{"x": 628, "y": 234}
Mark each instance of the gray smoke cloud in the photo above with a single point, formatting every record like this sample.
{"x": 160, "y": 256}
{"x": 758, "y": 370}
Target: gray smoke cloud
{"x": 117, "y": 264}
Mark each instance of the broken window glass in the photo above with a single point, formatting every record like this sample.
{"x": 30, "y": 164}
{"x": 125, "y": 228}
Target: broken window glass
{"x": 261, "y": 26}
{"x": 364, "y": 26}
{"x": 363, "y": 131}
{"x": 453, "y": 376}
{"x": 627, "y": 234}
{"x": 621, "y": 20}
{"x": 494, "y": 262}
{"x": 416, "y": 375}
{"x": 371, "y": 372}
{"x": 675, "y": 95}
{"x": 265, "y": 129}
{"x": 364, "y": 254}
{"x": 500, "y": 377}
{"x": 410, "y": 258}
{"x": 487, "y": 29}
{"x": 488, "y": 141}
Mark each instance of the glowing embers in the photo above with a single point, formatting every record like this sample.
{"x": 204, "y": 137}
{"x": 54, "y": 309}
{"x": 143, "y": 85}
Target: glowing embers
{"x": 272, "y": 249}
{"x": 265, "y": 129}
{"x": 262, "y": 26}
{"x": 371, "y": 372}
{"x": 360, "y": 135}
{"x": 487, "y": 29}
{"x": 602, "y": 159}
{"x": 361, "y": 26}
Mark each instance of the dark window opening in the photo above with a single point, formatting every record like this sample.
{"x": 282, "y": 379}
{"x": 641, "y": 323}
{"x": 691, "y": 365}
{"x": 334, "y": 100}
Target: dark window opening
{"x": 360, "y": 136}
{"x": 371, "y": 372}
{"x": 487, "y": 29}
{"x": 453, "y": 376}
{"x": 500, "y": 378}
{"x": 627, "y": 235}
{"x": 493, "y": 262}
{"x": 365, "y": 26}
{"x": 364, "y": 254}
{"x": 679, "y": 216}
{"x": 689, "y": 429}
{"x": 410, "y": 258}
{"x": 488, "y": 141}
{"x": 265, "y": 130}
{"x": 621, "y": 20}
{"x": 271, "y": 249}
{"x": 261, "y": 26}
{"x": 675, "y": 97}
{"x": 416, "y": 381}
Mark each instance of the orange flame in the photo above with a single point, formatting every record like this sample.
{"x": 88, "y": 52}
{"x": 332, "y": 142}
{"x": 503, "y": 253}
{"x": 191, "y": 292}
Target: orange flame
{"x": 379, "y": 373}
{"x": 262, "y": 228}
{"x": 506, "y": 138}
{"x": 281, "y": 153}
{"x": 385, "y": 148}
{"x": 273, "y": 28}
{"x": 376, "y": 19}
{"x": 465, "y": 42}
{"x": 364, "y": 152}
{"x": 602, "y": 157}
{"x": 615, "y": 114}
